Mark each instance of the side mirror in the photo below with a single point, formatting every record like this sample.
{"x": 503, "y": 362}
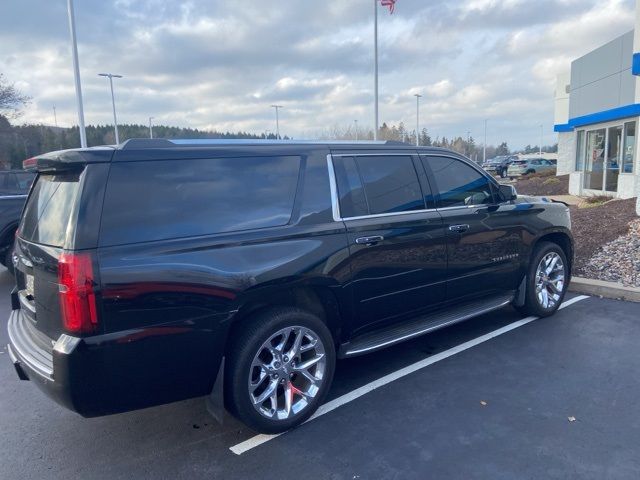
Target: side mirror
{"x": 508, "y": 193}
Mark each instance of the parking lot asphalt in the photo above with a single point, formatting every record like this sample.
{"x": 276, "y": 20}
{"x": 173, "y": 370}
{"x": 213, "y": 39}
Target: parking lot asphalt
{"x": 555, "y": 398}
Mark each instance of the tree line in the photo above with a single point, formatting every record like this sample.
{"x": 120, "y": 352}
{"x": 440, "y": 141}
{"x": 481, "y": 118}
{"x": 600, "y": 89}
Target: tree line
{"x": 18, "y": 142}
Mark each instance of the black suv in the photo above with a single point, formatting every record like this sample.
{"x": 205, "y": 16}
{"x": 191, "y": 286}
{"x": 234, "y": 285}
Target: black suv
{"x": 163, "y": 270}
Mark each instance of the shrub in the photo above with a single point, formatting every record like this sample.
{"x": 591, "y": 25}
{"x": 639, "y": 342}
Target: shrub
{"x": 551, "y": 181}
{"x": 598, "y": 199}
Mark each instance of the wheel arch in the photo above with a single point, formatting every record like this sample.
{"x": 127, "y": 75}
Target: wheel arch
{"x": 313, "y": 297}
{"x": 7, "y": 234}
{"x": 563, "y": 239}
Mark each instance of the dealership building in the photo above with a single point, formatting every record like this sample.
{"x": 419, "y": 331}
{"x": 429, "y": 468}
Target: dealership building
{"x": 597, "y": 108}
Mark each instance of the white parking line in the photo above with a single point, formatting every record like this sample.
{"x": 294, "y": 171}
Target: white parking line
{"x": 258, "y": 440}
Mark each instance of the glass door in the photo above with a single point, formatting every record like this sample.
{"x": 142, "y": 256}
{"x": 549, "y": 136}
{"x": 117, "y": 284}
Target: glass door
{"x": 614, "y": 159}
{"x": 594, "y": 161}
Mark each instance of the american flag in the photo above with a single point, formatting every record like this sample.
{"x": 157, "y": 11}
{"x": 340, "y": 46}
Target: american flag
{"x": 389, "y": 3}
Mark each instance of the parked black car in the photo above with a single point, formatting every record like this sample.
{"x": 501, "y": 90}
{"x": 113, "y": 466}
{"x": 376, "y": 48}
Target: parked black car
{"x": 151, "y": 271}
{"x": 499, "y": 165}
{"x": 14, "y": 186}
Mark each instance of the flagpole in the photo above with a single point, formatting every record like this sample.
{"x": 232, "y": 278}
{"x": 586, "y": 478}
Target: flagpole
{"x": 375, "y": 35}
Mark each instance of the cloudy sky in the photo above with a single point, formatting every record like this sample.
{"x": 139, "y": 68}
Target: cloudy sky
{"x": 219, "y": 64}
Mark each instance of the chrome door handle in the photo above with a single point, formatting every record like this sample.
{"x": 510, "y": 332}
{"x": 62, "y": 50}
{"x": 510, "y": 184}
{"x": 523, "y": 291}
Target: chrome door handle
{"x": 459, "y": 228}
{"x": 369, "y": 240}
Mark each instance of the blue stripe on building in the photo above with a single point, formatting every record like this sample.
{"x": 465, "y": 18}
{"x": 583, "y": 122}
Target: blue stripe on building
{"x": 635, "y": 64}
{"x": 632, "y": 110}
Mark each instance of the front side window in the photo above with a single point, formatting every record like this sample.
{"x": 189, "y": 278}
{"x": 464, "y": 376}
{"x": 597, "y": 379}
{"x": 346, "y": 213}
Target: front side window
{"x": 458, "y": 184}
{"x": 157, "y": 200}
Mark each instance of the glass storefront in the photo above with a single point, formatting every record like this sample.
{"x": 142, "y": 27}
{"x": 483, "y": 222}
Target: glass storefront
{"x": 629, "y": 147}
{"x": 604, "y": 153}
{"x": 594, "y": 159}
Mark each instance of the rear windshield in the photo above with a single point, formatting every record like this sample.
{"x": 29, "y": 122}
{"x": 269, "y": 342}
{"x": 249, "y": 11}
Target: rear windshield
{"x": 158, "y": 200}
{"x": 48, "y": 210}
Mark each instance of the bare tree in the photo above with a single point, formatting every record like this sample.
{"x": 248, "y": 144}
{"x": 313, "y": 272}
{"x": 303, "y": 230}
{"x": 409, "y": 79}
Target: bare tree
{"x": 11, "y": 99}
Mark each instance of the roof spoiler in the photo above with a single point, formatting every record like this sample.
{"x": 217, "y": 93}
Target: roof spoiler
{"x": 63, "y": 160}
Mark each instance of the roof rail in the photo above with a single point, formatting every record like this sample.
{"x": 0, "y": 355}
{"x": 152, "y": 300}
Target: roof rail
{"x": 140, "y": 143}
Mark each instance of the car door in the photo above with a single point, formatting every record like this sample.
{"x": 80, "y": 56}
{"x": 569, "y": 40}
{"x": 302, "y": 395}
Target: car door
{"x": 484, "y": 239}
{"x": 396, "y": 238}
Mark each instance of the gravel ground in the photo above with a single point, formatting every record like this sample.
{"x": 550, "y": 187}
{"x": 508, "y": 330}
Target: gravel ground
{"x": 619, "y": 260}
{"x": 595, "y": 227}
{"x": 607, "y": 236}
{"x": 543, "y": 185}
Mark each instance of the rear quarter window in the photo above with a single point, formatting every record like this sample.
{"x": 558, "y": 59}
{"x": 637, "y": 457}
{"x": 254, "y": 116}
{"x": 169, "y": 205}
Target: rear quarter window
{"x": 48, "y": 211}
{"x": 158, "y": 200}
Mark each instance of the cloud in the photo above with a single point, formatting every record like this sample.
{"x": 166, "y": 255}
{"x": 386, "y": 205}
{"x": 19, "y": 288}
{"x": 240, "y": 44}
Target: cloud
{"x": 221, "y": 64}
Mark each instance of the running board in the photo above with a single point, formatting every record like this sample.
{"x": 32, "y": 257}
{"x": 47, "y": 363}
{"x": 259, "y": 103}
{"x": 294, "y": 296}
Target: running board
{"x": 412, "y": 328}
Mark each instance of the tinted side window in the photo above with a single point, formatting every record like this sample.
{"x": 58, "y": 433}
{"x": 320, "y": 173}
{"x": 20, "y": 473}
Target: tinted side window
{"x": 458, "y": 183}
{"x": 158, "y": 200}
{"x": 8, "y": 183}
{"x": 48, "y": 210}
{"x": 352, "y": 200}
{"x": 390, "y": 183}
{"x": 24, "y": 181}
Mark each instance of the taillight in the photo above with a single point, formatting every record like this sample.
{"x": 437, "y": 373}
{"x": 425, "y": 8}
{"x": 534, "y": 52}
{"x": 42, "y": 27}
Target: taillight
{"x": 29, "y": 163}
{"x": 77, "y": 295}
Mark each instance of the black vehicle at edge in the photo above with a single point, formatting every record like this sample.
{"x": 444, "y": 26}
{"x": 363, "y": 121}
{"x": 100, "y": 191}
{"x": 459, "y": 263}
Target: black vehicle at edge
{"x": 14, "y": 186}
{"x": 161, "y": 270}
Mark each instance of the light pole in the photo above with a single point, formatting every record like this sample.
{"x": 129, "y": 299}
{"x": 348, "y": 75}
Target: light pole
{"x": 277, "y": 108}
{"x": 484, "y": 147}
{"x": 541, "y": 134}
{"x": 150, "y": 127}
{"x": 55, "y": 117}
{"x": 356, "y": 122}
{"x": 111, "y": 76}
{"x": 76, "y": 74}
{"x": 375, "y": 82}
{"x": 418, "y": 96}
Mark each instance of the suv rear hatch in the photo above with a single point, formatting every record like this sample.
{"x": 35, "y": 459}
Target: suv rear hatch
{"x": 55, "y": 268}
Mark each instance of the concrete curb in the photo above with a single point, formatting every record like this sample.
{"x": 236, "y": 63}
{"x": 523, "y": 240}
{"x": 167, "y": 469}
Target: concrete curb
{"x": 600, "y": 288}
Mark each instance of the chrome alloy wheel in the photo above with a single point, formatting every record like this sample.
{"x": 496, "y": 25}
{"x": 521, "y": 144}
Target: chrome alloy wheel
{"x": 287, "y": 373}
{"x": 550, "y": 280}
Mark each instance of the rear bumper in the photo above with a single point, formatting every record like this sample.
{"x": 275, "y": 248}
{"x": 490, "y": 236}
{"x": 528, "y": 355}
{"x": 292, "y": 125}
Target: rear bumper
{"x": 113, "y": 373}
{"x": 34, "y": 362}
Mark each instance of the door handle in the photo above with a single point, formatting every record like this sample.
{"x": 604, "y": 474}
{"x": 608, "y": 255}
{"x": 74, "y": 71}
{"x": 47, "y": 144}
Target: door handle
{"x": 459, "y": 228}
{"x": 369, "y": 240}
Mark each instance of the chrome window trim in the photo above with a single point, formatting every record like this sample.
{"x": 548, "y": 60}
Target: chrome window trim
{"x": 333, "y": 186}
{"x": 14, "y": 196}
{"x": 410, "y": 153}
{"x": 391, "y": 214}
{"x": 335, "y": 200}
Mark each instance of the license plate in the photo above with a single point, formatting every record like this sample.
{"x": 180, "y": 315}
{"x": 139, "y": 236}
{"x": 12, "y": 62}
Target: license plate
{"x": 29, "y": 285}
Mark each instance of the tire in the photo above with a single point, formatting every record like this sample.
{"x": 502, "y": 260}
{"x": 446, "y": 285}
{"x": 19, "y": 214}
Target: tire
{"x": 503, "y": 174}
{"x": 534, "y": 300}
{"x": 249, "y": 357}
{"x": 529, "y": 172}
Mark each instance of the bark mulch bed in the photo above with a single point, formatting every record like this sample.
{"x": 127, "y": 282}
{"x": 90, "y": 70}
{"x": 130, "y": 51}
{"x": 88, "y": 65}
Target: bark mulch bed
{"x": 543, "y": 185}
{"x": 594, "y": 227}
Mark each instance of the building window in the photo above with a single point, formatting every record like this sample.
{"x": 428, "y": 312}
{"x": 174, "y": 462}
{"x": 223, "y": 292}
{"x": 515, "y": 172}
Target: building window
{"x": 629, "y": 147}
{"x": 580, "y": 152}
